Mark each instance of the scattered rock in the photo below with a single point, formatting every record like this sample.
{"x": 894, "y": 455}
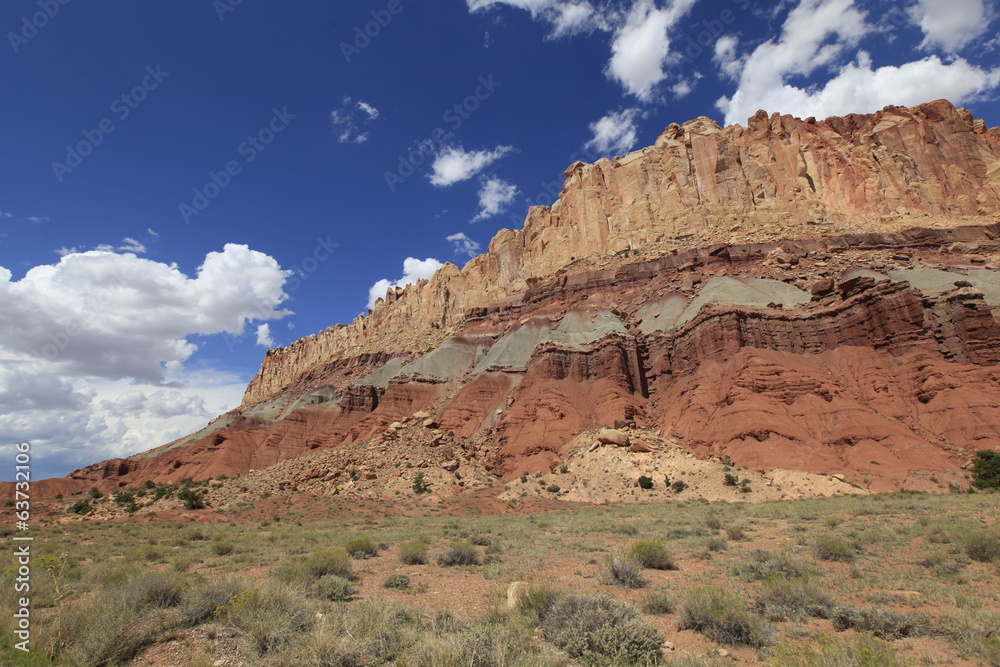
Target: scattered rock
{"x": 613, "y": 436}
{"x": 517, "y": 593}
{"x": 450, "y": 466}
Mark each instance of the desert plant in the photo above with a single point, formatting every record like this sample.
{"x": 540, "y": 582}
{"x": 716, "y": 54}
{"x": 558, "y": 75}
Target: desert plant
{"x": 460, "y": 553}
{"x": 652, "y": 554}
{"x": 329, "y": 561}
{"x": 982, "y": 546}
{"x": 862, "y": 650}
{"x": 400, "y": 581}
{"x": 335, "y": 588}
{"x": 730, "y": 480}
{"x": 723, "y": 617}
{"x": 623, "y": 571}
{"x": 645, "y": 482}
{"x": 794, "y": 599}
{"x": 267, "y": 617}
{"x": 735, "y": 533}
{"x": 95, "y": 494}
{"x": 658, "y": 602}
{"x": 761, "y": 564}
{"x": 986, "y": 470}
{"x": 834, "y": 548}
{"x": 223, "y": 548}
{"x": 678, "y": 486}
{"x": 420, "y": 484}
{"x": 879, "y": 621}
{"x": 193, "y": 500}
{"x": 361, "y": 546}
{"x": 202, "y": 598}
{"x": 601, "y": 630}
{"x": 81, "y": 507}
{"x": 413, "y": 552}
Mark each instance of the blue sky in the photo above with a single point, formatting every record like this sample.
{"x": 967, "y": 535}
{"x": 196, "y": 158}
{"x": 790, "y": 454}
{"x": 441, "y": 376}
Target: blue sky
{"x": 185, "y": 183}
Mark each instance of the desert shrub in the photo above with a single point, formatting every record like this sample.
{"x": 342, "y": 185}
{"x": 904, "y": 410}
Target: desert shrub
{"x": 420, "y": 484}
{"x": 652, "y": 554}
{"x": 204, "y": 597}
{"x": 361, "y": 546}
{"x": 223, "y": 548}
{"x": 730, "y": 480}
{"x": 193, "y": 500}
{"x": 986, "y": 470}
{"x": 735, "y": 533}
{"x": 982, "y": 546}
{"x": 601, "y": 630}
{"x": 716, "y": 543}
{"x": 761, "y": 564}
{"x": 658, "y": 602}
{"x": 413, "y": 552}
{"x": 153, "y": 588}
{"x": 678, "y": 486}
{"x": 329, "y": 561}
{"x": 267, "y": 617}
{"x": 834, "y": 548}
{"x": 723, "y": 617}
{"x": 879, "y": 621}
{"x": 537, "y": 601}
{"x": 645, "y": 482}
{"x": 95, "y": 494}
{"x": 100, "y": 631}
{"x": 460, "y": 553}
{"x": 794, "y": 599}
{"x": 399, "y": 581}
{"x": 81, "y": 507}
{"x": 335, "y": 588}
{"x": 481, "y": 540}
{"x": 552, "y": 488}
{"x": 862, "y": 650}
{"x": 623, "y": 571}
{"x": 975, "y": 632}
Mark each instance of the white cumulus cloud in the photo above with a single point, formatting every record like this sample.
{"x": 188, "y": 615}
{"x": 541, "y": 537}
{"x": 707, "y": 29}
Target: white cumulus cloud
{"x": 494, "y": 196}
{"x": 641, "y": 46}
{"x": 454, "y": 164}
{"x": 951, "y": 24}
{"x": 463, "y": 245}
{"x": 264, "y": 335}
{"x": 93, "y": 350}
{"x": 615, "y": 133}
{"x": 815, "y": 38}
{"x": 413, "y": 270}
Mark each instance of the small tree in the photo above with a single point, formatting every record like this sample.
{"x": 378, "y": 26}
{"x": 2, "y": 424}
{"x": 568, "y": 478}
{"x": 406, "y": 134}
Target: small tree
{"x": 679, "y": 486}
{"x": 645, "y": 482}
{"x": 730, "y": 480}
{"x": 420, "y": 484}
{"x": 986, "y": 470}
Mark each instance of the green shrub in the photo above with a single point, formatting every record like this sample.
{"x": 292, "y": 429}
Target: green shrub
{"x": 223, "y": 548}
{"x": 879, "y": 621}
{"x": 834, "y": 548}
{"x": 95, "y": 494}
{"x": 193, "y": 500}
{"x": 658, "y": 602}
{"x": 552, "y": 488}
{"x": 713, "y": 522}
{"x": 794, "y": 599}
{"x": 329, "y": 561}
{"x": 678, "y": 486}
{"x": 761, "y": 564}
{"x": 735, "y": 533}
{"x": 460, "y": 553}
{"x": 986, "y": 470}
{"x": 361, "y": 546}
{"x": 623, "y": 571}
{"x": 723, "y": 617}
{"x": 81, "y": 507}
{"x": 652, "y": 554}
{"x": 730, "y": 480}
{"x": 267, "y": 617}
{"x": 716, "y": 543}
{"x": 982, "y": 546}
{"x": 413, "y": 552}
{"x": 420, "y": 484}
{"x": 335, "y": 588}
{"x": 645, "y": 482}
{"x": 200, "y": 600}
{"x": 860, "y": 651}
{"x": 601, "y": 630}
{"x": 400, "y": 581}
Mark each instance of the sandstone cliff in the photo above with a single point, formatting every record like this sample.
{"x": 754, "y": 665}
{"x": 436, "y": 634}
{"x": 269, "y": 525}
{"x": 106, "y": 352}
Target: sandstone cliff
{"x": 796, "y": 294}
{"x": 780, "y": 177}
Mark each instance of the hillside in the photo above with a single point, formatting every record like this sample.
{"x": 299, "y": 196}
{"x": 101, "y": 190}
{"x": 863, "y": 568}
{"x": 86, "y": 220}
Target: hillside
{"x": 794, "y": 295}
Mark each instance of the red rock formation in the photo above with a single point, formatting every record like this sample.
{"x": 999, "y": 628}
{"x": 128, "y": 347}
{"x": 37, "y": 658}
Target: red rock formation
{"x": 604, "y": 308}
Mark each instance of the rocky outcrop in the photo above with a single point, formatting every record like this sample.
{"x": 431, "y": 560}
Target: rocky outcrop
{"x": 779, "y": 177}
{"x": 816, "y": 295}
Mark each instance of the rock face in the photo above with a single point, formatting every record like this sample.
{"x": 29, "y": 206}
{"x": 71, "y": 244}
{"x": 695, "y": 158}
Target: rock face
{"x": 819, "y": 296}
